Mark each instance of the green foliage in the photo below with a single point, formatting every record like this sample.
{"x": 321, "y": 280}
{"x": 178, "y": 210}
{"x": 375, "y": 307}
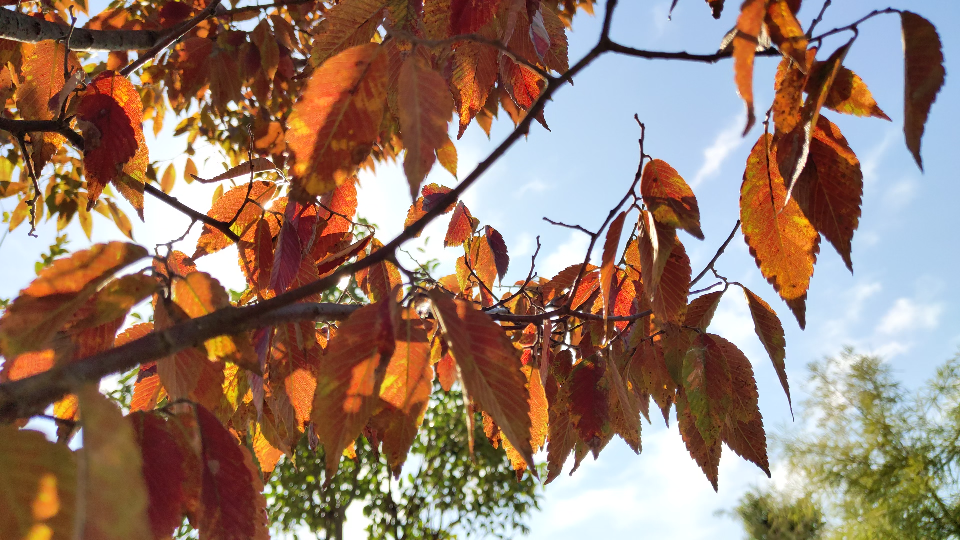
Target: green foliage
{"x": 56, "y": 249}
{"x": 443, "y": 493}
{"x": 778, "y": 516}
{"x": 884, "y": 461}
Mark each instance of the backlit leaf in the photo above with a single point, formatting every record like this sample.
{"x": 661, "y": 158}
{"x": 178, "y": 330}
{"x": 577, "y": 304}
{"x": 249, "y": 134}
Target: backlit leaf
{"x": 849, "y": 95}
{"x": 347, "y": 24}
{"x": 781, "y": 239}
{"x": 706, "y": 455}
{"x": 923, "y": 76}
{"x": 163, "y": 472}
{"x": 425, "y": 108}
{"x": 474, "y": 74}
{"x": 655, "y": 243}
{"x": 830, "y": 188}
{"x": 786, "y": 32}
{"x": 115, "y": 494}
{"x": 743, "y": 425}
{"x": 701, "y": 309}
{"x": 648, "y": 372}
{"x": 669, "y": 198}
{"x": 707, "y": 386}
{"x": 349, "y": 377}
{"x": 669, "y": 301}
{"x": 589, "y": 403}
{"x": 337, "y": 118}
{"x": 39, "y": 486}
{"x": 749, "y": 24}
{"x": 624, "y": 407}
{"x": 499, "y": 249}
{"x": 49, "y": 301}
{"x": 461, "y": 227}
{"x": 489, "y": 367}
{"x": 538, "y": 419}
{"x": 240, "y": 211}
{"x": 607, "y": 274}
{"x": 468, "y": 16}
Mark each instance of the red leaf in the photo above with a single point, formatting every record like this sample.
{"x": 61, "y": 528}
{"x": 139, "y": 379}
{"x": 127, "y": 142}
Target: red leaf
{"x": 232, "y": 507}
{"x": 669, "y": 198}
{"x": 589, "y": 404}
{"x": 467, "y": 16}
{"x": 431, "y": 193}
{"x": 447, "y": 372}
{"x": 474, "y": 75}
{"x": 923, "y": 76}
{"x": 499, "y": 248}
{"x": 163, "y": 472}
{"x": 242, "y": 214}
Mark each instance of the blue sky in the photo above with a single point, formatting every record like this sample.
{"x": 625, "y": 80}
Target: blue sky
{"x": 899, "y": 302}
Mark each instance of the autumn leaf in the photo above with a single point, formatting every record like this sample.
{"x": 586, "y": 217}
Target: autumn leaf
{"x": 610, "y": 245}
{"x": 247, "y": 168}
{"x": 716, "y": 6}
{"x": 337, "y": 118}
{"x": 749, "y": 24}
{"x": 164, "y": 472}
{"x": 349, "y": 378}
{"x": 462, "y": 225}
{"x": 521, "y": 83}
{"x": 701, "y": 309}
{"x": 923, "y": 76}
{"x": 830, "y": 188}
{"x": 381, "y": 280}
{"x": 467, "y": 16}
{"x": 655, "y": 244}
{"x": 589, "y": 403}
{"x": 669, "y": 198}
{"x": 49, "y": 301}
{"x": 489, "y": 367}
{"x": 849, "y": 95}
{"x": 498, "y": 247}
{"x": 707, "y": 456}
{"x": 114, "y": 491}
{"x": 240, "y": 207}
{"x": 788, "y": 98}
{"x": 786, "y": 32}
{"x": 624, "y": 407}
{"x": 539, "y": 415}
{"x": 648, "y": 372}
{"x": 232, "y": 507}
{"x": 199, "y": 294}
{"x": 770, "y": 331}
{"x": 742, "y": 428}
{"x": 425, "y": 108}
{"x": 429, "y": 195}
{"x": 561, "y": 436}
{"x": 39, "y": 485}
{"x": 475, "y": 70}
{"x": 347, "y": 24}
{"x": 782, "y": 241}
{"x": 707, "y": 386}
{"x": 669, "y": 301}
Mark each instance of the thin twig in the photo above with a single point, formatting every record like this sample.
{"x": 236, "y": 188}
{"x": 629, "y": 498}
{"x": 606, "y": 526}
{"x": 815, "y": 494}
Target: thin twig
{"x": 818, "y": 18}
{"x": 533, "y": 262}
{"x": 852, "y": 27}
{"x": 190, "y": 212}
{"x": 574, "y": 227}
{"x": 716, "y": 256}
{"x": 170, "y": 37}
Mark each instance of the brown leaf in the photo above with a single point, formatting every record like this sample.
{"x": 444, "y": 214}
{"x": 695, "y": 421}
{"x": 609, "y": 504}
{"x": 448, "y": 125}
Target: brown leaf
{"x": 489, "y": 367}
{"x": 669, "y": 301}
{"x": 849, "y": 95}
{"x": 781, "y": 239}
{"x": 830, "y": 188}
{"x": 589, "y": 403}
{"x": 701, "y": 309}
{"x": 347, "y": 24}
{"x": 786, "y": 32}
{"x": 655, "y": 243}
{"x": 742, "y": 428}
{"x": 706, "y": 455}
{"x": 499, "y": 249}
{"x": 923, "y": 76}
{"x": 770, "y": 331}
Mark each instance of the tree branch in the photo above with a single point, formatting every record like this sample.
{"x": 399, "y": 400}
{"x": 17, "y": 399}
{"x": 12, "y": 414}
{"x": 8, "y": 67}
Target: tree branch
{"x": 716, "y": 255}
{"x": 20, "y": 27}
{"x": 22, "y": 127}
{"x": 193, "y": 214}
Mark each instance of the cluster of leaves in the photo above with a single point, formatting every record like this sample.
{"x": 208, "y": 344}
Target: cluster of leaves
{"x": 449, "y": 492}
{"x": 563, "y": 363}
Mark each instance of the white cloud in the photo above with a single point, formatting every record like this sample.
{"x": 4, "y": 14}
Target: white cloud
{"x": 533, "y": 186}
{"x": 726, "y": 142}
{"x": 901, "y": 194}
{"x": 907, "y": 315}
{"x": 570, "y": 252}
{"x": 870, "y": 162}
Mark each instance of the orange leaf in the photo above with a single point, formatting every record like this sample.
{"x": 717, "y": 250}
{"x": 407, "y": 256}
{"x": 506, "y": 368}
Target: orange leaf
{"x": 425, "y": 107}
{"x": 589, "y": 403}
{"x": 770, "y": 331}
{"x": 240, "y": 211}
{"x": 461, "y": 227}
{"x": 706, "y": 455}
{"x": 781, "y": 239}
{"x": 561, "y": 434}
{"x": 742, "y": 428}
{"x": 707, "y": 386}
{"x": 47, "y": 303}
{"x": 669, "y": 301}
{"x": 701, "y": 309}
{"x": 474, "y": 74}
{"x": 849, "y": 95}
{"x": 337, "y": 118}
{"x": 648, "y": 372}
{"x": 199, "y": 294}
{"x": 521, "y": 83}
{"x": 669, "y": 198}
{"x": 624, "y": 407}
{"x": 610, "y": 245}
{"x": 39, "y": 480}
{"x": 349, "y": 378}
{"x": 489, "y": 367}
{"x": 749, "y": 24}
{"x": 115, "y": 493}
{"x": 380, "y": 281}
{"x": 786, "y": 32}
{"x": 830, "y": 188}
{"x": 347, "y": 24}
{"x": 538, "y": 419}
{"x": 655, "y": 243}
{"x": 923, "y": 76}
{"x": 788, "y": 99}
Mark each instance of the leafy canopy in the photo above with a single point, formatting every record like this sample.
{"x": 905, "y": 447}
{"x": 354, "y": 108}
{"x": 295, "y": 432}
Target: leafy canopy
{"x": 300, "y": 95}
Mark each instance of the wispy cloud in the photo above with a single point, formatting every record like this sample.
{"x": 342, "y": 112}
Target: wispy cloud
{"x": 726, "y": 142}
{"x": 566, "y": 254}
{"x": 907, "y": 315}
